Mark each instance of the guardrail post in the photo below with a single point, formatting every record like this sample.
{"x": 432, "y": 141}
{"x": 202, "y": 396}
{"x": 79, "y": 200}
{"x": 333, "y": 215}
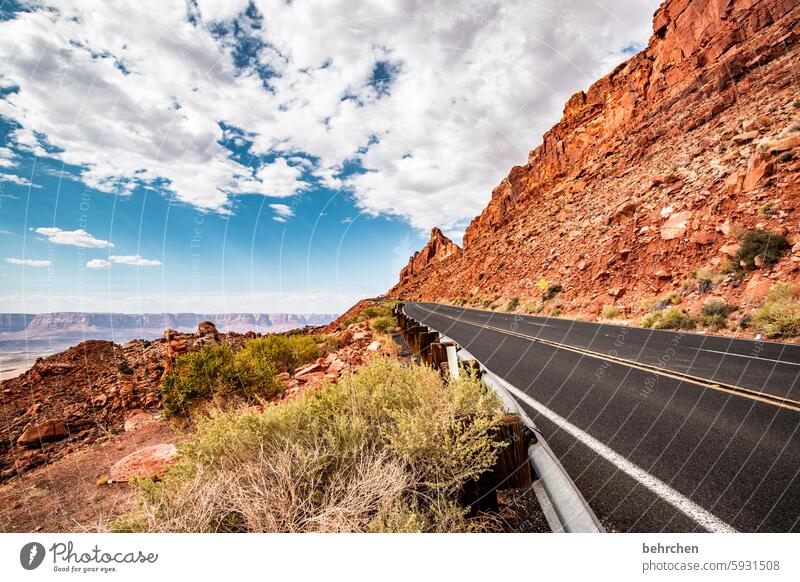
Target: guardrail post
{"x": 426, "y": 338}
{"x": 452, "y": 360}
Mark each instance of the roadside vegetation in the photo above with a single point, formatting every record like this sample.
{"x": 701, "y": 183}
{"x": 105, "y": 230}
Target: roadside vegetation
{"x": 389, "y": 448}
{"x": 217, "y": 373}
{"x": 779, "y": 316}
{"x": 757, "y": 248}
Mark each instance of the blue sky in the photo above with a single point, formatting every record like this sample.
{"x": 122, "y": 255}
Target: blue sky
{"x": 265, "y": 156}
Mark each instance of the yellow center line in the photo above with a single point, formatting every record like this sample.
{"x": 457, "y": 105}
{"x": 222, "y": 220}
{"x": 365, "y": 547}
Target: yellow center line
{"x": 764, "y": 397}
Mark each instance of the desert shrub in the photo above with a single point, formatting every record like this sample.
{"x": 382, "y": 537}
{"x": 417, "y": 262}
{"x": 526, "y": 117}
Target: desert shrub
{"x": 501, "y": 265}
{"x": 287, "y": 352}
{"x": 717, "y": 308}
{"x": 383, "y": 323}
{"x": 386, "y": 449}
{"x": 551, "y": 291}
{"x": 493, "y": 306}
{"x": 125, "y": 368}
{"x": 672, "y": 318}
{"x": 766, "y": 245}
{"x": 655, "y": 303}
{"x": 767, "y": 210}
{"x": 196, "y": 375}
{"x": 532, "y": 307}
{"x": 715, "y": 315}
{"x": 611, "y": 312}
{"x": 556, "y": 312}
{"x": 481, "y": 275}
{"x": 779, "y": 316}
{"x": 512, "y": 304}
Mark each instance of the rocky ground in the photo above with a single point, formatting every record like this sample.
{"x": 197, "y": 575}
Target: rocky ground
{"x": 79, "y": 424}
{"x": 651, "y": 175}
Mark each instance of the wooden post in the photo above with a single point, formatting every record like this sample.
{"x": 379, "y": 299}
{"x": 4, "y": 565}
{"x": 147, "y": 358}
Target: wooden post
{"x": 426, "y": 338}
{"x": 512, "y": 470}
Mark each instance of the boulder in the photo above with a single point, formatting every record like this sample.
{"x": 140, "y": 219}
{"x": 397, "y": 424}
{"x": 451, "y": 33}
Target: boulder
{"x": 625, "y": 208}
{"x": 745, "y": 137}
{"x": 675, "y": 225}
{"x": 703, "y": 237}
{"x": 756, "y": 123}
{"x": 207, "y": 328}
{"x": 374, "y": 346}
{"x": 149, "y": 462}
{"x": 137, "y": 419}
{"x": 759, "y": 168}
{"x": 310, "y": 369}
{"x": 785, "y": 144}
{"x": 37, "y": 433}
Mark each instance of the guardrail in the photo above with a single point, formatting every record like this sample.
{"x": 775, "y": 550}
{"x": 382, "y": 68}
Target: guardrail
{"x": 565, "y": 508}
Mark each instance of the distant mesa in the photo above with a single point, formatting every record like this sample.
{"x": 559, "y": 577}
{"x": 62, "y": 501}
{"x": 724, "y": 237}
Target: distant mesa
{"x": 123, "y": 326}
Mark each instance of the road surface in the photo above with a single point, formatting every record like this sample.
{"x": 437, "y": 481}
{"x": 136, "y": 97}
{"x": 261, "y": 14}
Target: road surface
{"x": 661, "y": 431}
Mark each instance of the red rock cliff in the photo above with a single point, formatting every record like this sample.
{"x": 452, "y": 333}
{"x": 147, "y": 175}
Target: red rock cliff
{"x": 651, "y": 171}
{"x": 438, "y": 248}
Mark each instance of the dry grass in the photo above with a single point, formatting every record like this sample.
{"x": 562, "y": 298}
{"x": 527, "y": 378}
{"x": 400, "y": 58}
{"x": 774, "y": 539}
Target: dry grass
{"x": 386, "y": 449}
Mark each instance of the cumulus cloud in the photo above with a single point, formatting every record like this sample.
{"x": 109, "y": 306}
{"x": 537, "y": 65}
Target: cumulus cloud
{"x": 6, "y": 158}
{"x": 282, "y": 212}
{"x": 415, "y": 109}
{"x": 29, "y": 262}
{"x": 16, "y": 179}
{"x": 75, "y": 238}
{"x": 134, "y": 260}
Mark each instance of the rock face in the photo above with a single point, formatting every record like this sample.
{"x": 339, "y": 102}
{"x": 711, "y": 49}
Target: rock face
{"x": 647, "y": 169}
{"x": 439, "y": 247}
{"x": 74, "y": 398}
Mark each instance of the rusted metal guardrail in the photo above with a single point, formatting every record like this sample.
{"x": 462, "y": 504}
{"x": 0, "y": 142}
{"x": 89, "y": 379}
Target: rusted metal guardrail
{"x": 563, "y": 504}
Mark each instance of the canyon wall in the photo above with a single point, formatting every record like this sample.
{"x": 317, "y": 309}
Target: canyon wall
{"x": 652, "y": 173}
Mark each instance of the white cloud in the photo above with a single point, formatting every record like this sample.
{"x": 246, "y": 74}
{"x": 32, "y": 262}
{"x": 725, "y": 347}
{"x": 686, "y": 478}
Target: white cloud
{"x": 282, "y": 210}
{"x": 6, "y": 158}
{"x": 29, "y": 262}
{"x": 279, "y": 179}
{"x": 473, "y": 86}
{"x": 6, "y": 232}
{"x": 16, "y": 179}
{"x": 134, "y": 260}
{"x": 98, "y": 264}
{"x": 75, "y": 238}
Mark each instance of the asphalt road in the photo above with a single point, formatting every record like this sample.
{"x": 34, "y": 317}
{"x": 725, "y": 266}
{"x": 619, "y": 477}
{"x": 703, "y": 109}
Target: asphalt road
{"x": 735, "y": 454}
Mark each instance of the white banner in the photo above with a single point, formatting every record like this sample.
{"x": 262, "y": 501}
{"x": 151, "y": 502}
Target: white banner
{"x": 227, "y": 557}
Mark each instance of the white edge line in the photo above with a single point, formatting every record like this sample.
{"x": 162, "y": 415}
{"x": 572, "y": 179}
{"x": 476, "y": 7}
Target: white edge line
{"x": 703, "y": 517}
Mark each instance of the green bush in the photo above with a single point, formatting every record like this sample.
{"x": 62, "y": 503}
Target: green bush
{"x": 767, "y": 245}
{"x": 249, "y": 374}
{"x": 780, "y": 314}
{"x": 197, "y": 375}
{"x": 389, "y": 448}
{"x": 672, "y": 318}
{"x": 716, "y": 308}
{"x": 512, "y": 304}
{"x": 611, "y": 312}
{"x": 715, "y": 315}
{"x": 551, "y": 291}
{"x": 532, "y": 307}
{"x": 287, "y": 352}
{"x": 383, "y": 323}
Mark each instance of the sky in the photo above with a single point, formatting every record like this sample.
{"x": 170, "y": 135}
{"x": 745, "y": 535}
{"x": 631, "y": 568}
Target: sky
{"x": 268, "y": 156}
